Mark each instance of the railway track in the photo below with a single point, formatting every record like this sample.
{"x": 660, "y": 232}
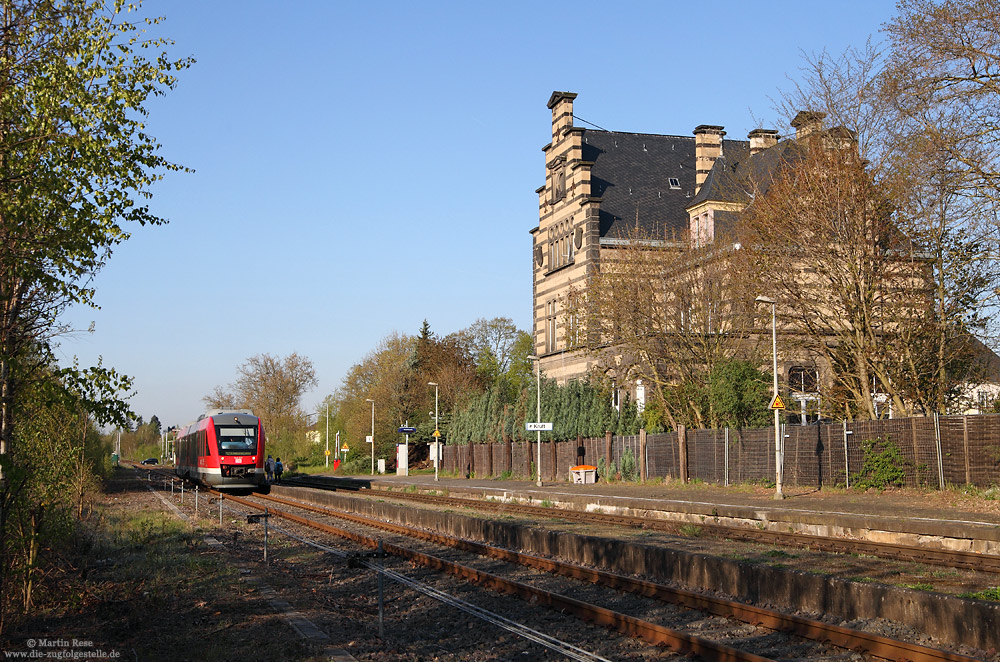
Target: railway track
{"x": 916, "y": 554}
{"x": 845, "y": 638}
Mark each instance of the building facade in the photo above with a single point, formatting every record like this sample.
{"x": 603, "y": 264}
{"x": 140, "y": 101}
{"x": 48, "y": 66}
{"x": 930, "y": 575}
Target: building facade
{"x": 600, "y": 186}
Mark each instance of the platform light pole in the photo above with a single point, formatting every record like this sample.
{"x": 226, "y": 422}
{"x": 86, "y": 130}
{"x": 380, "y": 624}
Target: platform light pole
{"x": 437, "y": 433}
{"x": 373, "y": 433}
{"x": 538, "y": 415}
{"x": 327, "y": 454}
{"x": 778, "y": 455}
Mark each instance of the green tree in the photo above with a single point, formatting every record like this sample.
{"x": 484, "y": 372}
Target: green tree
{"x": 76, "y": 163}
{"x": 739, "y": 395}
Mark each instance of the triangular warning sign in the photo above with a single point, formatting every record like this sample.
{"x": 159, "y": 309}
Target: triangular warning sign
{"x": 776, "y": 402}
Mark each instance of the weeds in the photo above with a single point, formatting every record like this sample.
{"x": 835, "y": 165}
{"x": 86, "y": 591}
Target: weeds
{"x": 987, "y": 594}
{"x": 690, "y": 531}
{"x": 883, "y": 465}
{"x": 778, "y": 554}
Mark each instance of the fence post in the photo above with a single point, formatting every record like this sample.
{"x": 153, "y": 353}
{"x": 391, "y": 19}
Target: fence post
{"x": 965, "y": 443}
{"x": 725, "y": 461}
{"x": 937, "y": 443}
{"x": 508, "y": 459}
{"x": 847, "y": 466}
{"x": 607, "y": 449}
{"x": 642, "y": 454}
{"x": 527, "y": 460}
{"x": 555, "y": 459}
{"x": 489, "y": 458}
{"x": 682, "y": 446}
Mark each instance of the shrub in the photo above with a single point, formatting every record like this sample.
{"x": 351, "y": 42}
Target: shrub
{"x": 883, "y": 465}
{"x": 628, "y": 465}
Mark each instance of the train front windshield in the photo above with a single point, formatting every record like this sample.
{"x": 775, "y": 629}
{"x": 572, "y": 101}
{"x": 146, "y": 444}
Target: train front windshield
{"x": 237, "y": 440}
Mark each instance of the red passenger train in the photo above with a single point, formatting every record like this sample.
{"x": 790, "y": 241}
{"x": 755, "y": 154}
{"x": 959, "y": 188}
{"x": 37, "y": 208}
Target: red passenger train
{"x": 223, "y": 449}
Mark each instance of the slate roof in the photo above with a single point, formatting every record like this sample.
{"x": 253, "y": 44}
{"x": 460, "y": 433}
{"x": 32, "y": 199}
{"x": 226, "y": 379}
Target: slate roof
{"x": 631, "y": 175}
{"x": 731, "y": 173}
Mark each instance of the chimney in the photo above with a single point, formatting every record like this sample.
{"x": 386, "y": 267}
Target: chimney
{"x": 807, "y": 122}
{"x": 561, "y": 104}
{"x": 761, "y": 139}
{"x": 707, "y": 148}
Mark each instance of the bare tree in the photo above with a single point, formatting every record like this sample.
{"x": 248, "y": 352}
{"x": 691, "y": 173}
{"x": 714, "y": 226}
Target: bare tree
{"x": 491, "y": 342}
{"x": 273, "y": 388}
{"x": 663, "y": 312}
{"x": 943, "y": 77}
{"x": 925, "y": 118}
{"x": 822, "y": 243}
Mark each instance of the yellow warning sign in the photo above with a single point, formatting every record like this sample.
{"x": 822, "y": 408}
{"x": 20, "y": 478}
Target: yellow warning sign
{"x": 436, "y": 434}
{"x": 776, "y": 402}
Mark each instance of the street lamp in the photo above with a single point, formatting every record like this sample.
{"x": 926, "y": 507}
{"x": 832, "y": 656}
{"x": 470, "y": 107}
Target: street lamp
{"x": 327, "y": 435}
{"x": 373, "y": 433}
{"x": 778, "y": 455}
{"x": 538, "y": 414}
{"x": 437, "y": 433}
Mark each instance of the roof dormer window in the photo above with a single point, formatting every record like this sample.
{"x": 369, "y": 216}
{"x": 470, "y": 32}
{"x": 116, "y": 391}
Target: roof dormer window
{"x": 674, "y": 182}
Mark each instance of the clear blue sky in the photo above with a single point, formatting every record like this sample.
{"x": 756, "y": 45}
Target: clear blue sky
{"x": 362, "y": 166}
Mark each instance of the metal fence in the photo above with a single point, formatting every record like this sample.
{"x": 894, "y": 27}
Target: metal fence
{"x": 932, "y": 451}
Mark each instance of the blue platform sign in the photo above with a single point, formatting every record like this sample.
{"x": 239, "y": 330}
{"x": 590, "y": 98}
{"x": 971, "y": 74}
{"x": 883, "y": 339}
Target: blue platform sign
{"x": 407, "y": 430}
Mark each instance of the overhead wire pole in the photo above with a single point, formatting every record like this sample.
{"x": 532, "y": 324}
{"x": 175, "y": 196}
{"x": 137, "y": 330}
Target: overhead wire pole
{"x": 538, "y": 416}
{"x": 437, "y": 432}
{"x": 778, "y": 455}
{"x": 373, "y": 433}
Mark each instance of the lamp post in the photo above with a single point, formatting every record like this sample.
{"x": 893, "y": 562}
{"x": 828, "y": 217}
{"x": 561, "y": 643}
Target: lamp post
{"x": 437, "y": 433}
{"x": 327, "y": 454}
{"x": 778, "y": 455}
{"x": 538, "y": 415}
{"x": 373, "y": 433}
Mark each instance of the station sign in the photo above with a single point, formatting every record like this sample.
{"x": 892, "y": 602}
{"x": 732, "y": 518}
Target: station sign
{"x": 540, "y": 427}
{"x": 407, "y": 430}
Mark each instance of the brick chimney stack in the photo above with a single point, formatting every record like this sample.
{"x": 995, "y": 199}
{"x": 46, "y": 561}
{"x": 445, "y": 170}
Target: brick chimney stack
{"x": 761, "y": 139}
{"x": 807, "y": 122}
{"x": 707, "y": 148}
{"x": 561, "y": 104}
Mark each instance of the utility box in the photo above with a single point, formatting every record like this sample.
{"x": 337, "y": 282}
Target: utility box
{"x": 584, "y": 473}
{"x": 402, "y": 459}
{"x": 381, "y": 465}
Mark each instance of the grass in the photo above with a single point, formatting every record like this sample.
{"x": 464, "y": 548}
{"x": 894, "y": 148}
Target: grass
{"x": 547, "y": 503}
{"x": 863, "y": 580}
{"x": 922, "y": 586}
{"x": 140, "y": 571}
{"x": 987, "y": 594}
{"x": 690, "y": 531}
{"x": 778, "y": 554}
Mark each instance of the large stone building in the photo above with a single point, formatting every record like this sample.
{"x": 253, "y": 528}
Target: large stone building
{"x": 601, "y": 185}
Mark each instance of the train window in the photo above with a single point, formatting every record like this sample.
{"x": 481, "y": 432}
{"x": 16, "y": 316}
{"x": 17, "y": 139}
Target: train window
{"x": 235, "y": 440}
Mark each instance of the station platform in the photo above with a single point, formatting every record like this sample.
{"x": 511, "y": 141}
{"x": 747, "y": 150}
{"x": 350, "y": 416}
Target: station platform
{"x": 946, "y": 519}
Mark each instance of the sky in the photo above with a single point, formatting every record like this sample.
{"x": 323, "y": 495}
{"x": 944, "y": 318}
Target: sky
{"x": 362, "y": 166}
